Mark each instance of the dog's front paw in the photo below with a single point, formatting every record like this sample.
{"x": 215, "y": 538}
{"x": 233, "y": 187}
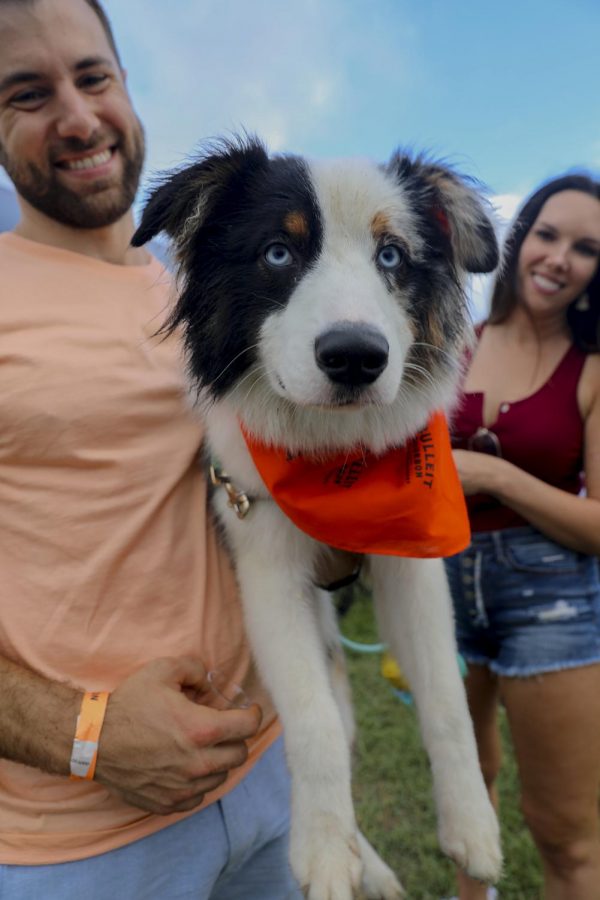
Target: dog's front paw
{"x": 326, "y": 860}
{"x": 378, "y": 881}
{"x": 469, "y": 834}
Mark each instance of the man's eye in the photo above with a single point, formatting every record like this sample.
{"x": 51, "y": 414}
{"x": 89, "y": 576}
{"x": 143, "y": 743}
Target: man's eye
{"x": 93, "y": 81}
{"x": 29, "y": 99}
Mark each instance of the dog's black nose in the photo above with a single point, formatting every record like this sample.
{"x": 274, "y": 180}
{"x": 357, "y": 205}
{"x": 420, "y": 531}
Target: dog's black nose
{"x": 352, "y": 353}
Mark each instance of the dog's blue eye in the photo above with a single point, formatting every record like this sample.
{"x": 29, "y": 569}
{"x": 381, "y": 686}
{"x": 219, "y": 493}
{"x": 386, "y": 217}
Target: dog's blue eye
{"x": 278, "y": 255}
{"x": 390, "y": 256}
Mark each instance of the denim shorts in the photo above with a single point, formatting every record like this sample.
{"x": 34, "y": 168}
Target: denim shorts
{"x": 524, "y": 604}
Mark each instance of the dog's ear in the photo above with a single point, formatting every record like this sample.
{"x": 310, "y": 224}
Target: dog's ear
{"x": 455, "y": 208}
{"x": 169, "y": 205}
{"x": 180, "y": 203}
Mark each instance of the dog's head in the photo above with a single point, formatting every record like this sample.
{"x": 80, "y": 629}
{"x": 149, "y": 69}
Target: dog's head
{"x": 313, "y": 288}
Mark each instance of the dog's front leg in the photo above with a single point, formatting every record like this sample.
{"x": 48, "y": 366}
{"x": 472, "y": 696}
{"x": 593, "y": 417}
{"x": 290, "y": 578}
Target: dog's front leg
{"x": 415, "y": 618}
{"x": 274, "y": 566}
{"x": 378, "y": 882}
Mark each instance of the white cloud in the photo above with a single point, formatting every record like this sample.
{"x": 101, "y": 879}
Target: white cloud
{"x": 506, "y": 206}
{"x": 208, "y": 70}
{"x": 479, "y": 291}
{"x": 290, "y": 73}
{"x": 480, "y": 286}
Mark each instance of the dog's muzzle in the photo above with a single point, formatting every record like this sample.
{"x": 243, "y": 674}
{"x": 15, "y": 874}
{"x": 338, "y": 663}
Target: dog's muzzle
{"x": 352, "y": 354}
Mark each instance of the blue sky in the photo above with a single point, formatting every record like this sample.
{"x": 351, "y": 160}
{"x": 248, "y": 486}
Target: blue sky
{"x": 507, "y": 91}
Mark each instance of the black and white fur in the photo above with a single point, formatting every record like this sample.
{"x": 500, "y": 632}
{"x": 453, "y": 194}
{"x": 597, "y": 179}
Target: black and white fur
{"x": 322, "y": 305}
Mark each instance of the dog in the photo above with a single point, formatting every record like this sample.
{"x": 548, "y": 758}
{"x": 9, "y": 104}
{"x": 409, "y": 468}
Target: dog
{"x": 323, "y": 312}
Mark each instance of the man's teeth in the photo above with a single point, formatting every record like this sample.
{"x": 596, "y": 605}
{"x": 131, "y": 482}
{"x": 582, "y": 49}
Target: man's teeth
{"x": 547, "y": 284}
{"x": 89, "y": 162}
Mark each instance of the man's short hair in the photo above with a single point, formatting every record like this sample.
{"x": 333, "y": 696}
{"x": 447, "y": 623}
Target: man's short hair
{"x": 104, "y": 21}
{"x": 93, "y": 4}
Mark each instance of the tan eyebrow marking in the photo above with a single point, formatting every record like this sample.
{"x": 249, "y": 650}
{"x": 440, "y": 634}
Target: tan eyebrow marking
{"x": 295, "y": 222}
{"x": 435, "y": 334}
{"x": 380, "y": 225}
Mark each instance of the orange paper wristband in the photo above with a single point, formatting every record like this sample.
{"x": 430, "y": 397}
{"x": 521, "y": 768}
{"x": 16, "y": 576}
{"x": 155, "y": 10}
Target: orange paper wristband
{"x": 87, "y": 734}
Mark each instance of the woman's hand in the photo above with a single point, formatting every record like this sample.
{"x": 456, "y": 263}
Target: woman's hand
{"x": 478, "y": 472}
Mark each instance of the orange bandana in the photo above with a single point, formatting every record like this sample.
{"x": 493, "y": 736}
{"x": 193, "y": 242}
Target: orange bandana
{"x": 407, "y": 502}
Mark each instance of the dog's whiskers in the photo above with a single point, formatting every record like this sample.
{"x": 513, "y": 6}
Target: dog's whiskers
{"x": 236, "y": 357}
{"x": 255, "y": 376}
{"x": 440, "y": 350}
{"x": 270, "y": 300}
{"x": 420, "y": 370}
{"x": 412, "y": 385}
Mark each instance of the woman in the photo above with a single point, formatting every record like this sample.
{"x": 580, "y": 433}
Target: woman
{"x": 526, "y": 592}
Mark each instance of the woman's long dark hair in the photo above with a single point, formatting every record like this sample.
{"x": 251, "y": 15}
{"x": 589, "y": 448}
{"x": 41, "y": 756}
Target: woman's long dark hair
{"x": 583, "y": 323}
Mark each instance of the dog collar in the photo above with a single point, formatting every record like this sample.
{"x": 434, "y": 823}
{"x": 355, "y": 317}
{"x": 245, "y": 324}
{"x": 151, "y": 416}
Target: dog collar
{"x": 405, "y": 502}
{"x": 237, "y": 500}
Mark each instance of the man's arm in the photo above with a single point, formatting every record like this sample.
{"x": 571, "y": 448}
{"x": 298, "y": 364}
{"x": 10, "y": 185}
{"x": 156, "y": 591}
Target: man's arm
{"x": 37, "y": 719}
{"x": 158, "y": 749}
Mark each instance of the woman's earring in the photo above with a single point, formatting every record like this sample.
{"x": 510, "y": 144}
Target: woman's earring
{"x": 583, "y": 304}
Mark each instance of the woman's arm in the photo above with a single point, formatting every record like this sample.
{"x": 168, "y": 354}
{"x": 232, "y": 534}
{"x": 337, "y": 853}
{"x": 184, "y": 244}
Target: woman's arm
{"x": 566, "y": 518}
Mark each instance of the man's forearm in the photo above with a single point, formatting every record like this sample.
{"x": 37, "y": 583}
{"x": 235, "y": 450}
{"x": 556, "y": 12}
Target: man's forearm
{"x": 159, "y": 750}
{"x": 37, "y": 719}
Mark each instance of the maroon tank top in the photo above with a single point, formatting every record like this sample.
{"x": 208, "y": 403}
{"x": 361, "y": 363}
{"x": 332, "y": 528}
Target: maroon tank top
{"x": 542, "y": 434}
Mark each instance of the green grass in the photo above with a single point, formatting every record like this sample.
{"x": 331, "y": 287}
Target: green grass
{"x": 392, "y": 786}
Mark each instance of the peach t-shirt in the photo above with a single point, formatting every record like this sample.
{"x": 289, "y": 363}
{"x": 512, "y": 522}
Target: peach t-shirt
{"x": 106, "y": 558}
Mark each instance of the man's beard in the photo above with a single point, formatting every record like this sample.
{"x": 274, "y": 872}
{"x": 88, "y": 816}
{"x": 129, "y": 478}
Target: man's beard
{"x": 102, "y": 206}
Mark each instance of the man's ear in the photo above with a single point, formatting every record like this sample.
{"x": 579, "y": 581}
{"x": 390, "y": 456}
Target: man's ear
{"x": 180, "y": 204}
{"x": 457, "y": 210}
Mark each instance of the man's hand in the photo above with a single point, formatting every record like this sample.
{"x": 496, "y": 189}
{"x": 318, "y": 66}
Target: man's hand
{"x": 160, "y": 750}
